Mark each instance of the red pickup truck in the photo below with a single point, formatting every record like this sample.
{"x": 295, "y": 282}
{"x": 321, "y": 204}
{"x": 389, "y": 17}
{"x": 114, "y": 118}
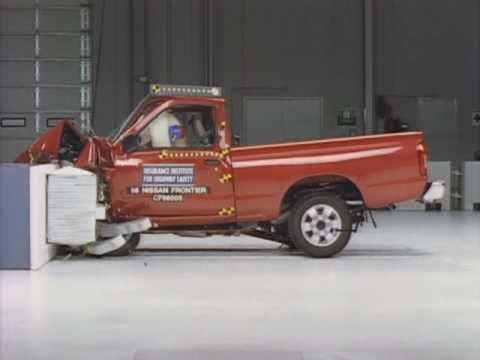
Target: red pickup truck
{"x": 173, "y": 162}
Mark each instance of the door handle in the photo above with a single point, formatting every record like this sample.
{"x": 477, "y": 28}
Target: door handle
{"x": 211, "y": 162}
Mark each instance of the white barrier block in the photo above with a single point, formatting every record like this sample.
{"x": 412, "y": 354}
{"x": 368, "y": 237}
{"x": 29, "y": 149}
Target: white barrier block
{"x": 40, "y": 251}
{"x": 71, "y": 207}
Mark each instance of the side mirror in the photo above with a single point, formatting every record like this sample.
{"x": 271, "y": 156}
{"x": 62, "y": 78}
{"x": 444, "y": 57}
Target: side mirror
{"x": 236, "y": 139}
{"x": 131, "y": 143}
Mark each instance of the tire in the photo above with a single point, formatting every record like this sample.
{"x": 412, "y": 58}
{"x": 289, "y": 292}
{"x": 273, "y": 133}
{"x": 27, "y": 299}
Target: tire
{"x": 314, "y": 222}
{"x": 128, "y": 248}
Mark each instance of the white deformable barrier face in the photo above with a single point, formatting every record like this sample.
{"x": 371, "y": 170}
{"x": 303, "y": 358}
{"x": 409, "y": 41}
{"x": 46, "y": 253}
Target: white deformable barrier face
{"x": 62, "y": 210}
{"x": 40, "y": 251}
{"x": 71, "y": 206}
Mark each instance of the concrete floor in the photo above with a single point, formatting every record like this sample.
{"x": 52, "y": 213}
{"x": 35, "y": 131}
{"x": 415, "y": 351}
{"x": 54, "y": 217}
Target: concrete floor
{"x": 408, "y": 290}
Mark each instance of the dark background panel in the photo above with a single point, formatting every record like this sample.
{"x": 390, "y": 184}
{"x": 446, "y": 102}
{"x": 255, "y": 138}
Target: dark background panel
{"x": 289, "y": 49}
{"x": 430, "y": 49}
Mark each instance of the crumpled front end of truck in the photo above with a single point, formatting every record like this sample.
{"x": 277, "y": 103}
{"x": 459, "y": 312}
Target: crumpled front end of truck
{"x": 65, "y": 144}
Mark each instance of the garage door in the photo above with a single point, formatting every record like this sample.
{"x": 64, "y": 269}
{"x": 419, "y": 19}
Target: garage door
{"x": 45, "y": 69}
{"x": 271, "y": 120}
{"x": 436, "y": 117}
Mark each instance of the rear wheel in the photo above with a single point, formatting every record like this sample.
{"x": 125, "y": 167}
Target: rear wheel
{"x": 320, "y": 226}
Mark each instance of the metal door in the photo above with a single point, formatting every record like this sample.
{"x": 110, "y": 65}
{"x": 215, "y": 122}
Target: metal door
{"x": 186, "y": 185}
{"x": 281, "y": 119}
{"x": 183, "y": 183}
{"x": 437, "y": 118}
{"x": 45, "y": 69}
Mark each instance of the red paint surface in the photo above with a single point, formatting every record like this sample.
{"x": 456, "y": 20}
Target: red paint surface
{"x": 48, "y": 144}
{"x": 384, "y": 168}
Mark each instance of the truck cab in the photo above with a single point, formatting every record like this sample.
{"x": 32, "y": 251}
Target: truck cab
{"x": 186, "y": 181}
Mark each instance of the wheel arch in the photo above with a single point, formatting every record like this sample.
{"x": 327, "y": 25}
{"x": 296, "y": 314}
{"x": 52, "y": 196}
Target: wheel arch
{"x": 326, "y": 183}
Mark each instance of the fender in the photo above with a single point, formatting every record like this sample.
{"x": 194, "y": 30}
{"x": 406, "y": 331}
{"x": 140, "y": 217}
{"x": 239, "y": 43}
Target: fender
{"x": 319, "y": 181}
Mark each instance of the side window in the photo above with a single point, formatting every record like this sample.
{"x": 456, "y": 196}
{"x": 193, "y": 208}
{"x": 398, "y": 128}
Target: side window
{"x": 182, "y": 127}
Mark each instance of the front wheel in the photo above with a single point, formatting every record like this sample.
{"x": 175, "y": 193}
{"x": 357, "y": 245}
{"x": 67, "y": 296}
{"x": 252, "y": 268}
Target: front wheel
{"x": 320, "y": 226}
{"x": 132, "y": 241}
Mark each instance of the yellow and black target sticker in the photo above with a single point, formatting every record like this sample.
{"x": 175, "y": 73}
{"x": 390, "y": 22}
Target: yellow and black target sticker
{"x": 155, "y": 89}
{"x": 227, "y": 211}
{"x": 225, "y": 178}
{"x": 165, "y": 154}
{"x": 225, "y": 152}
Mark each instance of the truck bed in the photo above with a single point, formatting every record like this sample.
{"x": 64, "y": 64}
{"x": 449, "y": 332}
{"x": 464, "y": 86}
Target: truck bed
{"x": 384, "y": 168}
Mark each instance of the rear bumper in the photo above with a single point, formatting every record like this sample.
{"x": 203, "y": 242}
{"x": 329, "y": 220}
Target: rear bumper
{"x": 435, "y": 191}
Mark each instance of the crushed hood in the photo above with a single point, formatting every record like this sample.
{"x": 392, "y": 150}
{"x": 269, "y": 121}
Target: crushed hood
{"x": 65, "y": 142}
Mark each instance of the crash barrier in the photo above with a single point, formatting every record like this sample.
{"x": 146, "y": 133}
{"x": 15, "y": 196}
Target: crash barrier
{"x": 23, "y": 225}
{"x": 42, "y": 206}
{"x": 71, "y": 209}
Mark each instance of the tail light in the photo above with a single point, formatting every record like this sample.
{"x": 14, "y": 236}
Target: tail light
{"x": 422, "y": 154}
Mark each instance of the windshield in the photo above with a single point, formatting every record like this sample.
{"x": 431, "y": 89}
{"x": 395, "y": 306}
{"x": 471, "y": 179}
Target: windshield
{"x": 123, "y": 126}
